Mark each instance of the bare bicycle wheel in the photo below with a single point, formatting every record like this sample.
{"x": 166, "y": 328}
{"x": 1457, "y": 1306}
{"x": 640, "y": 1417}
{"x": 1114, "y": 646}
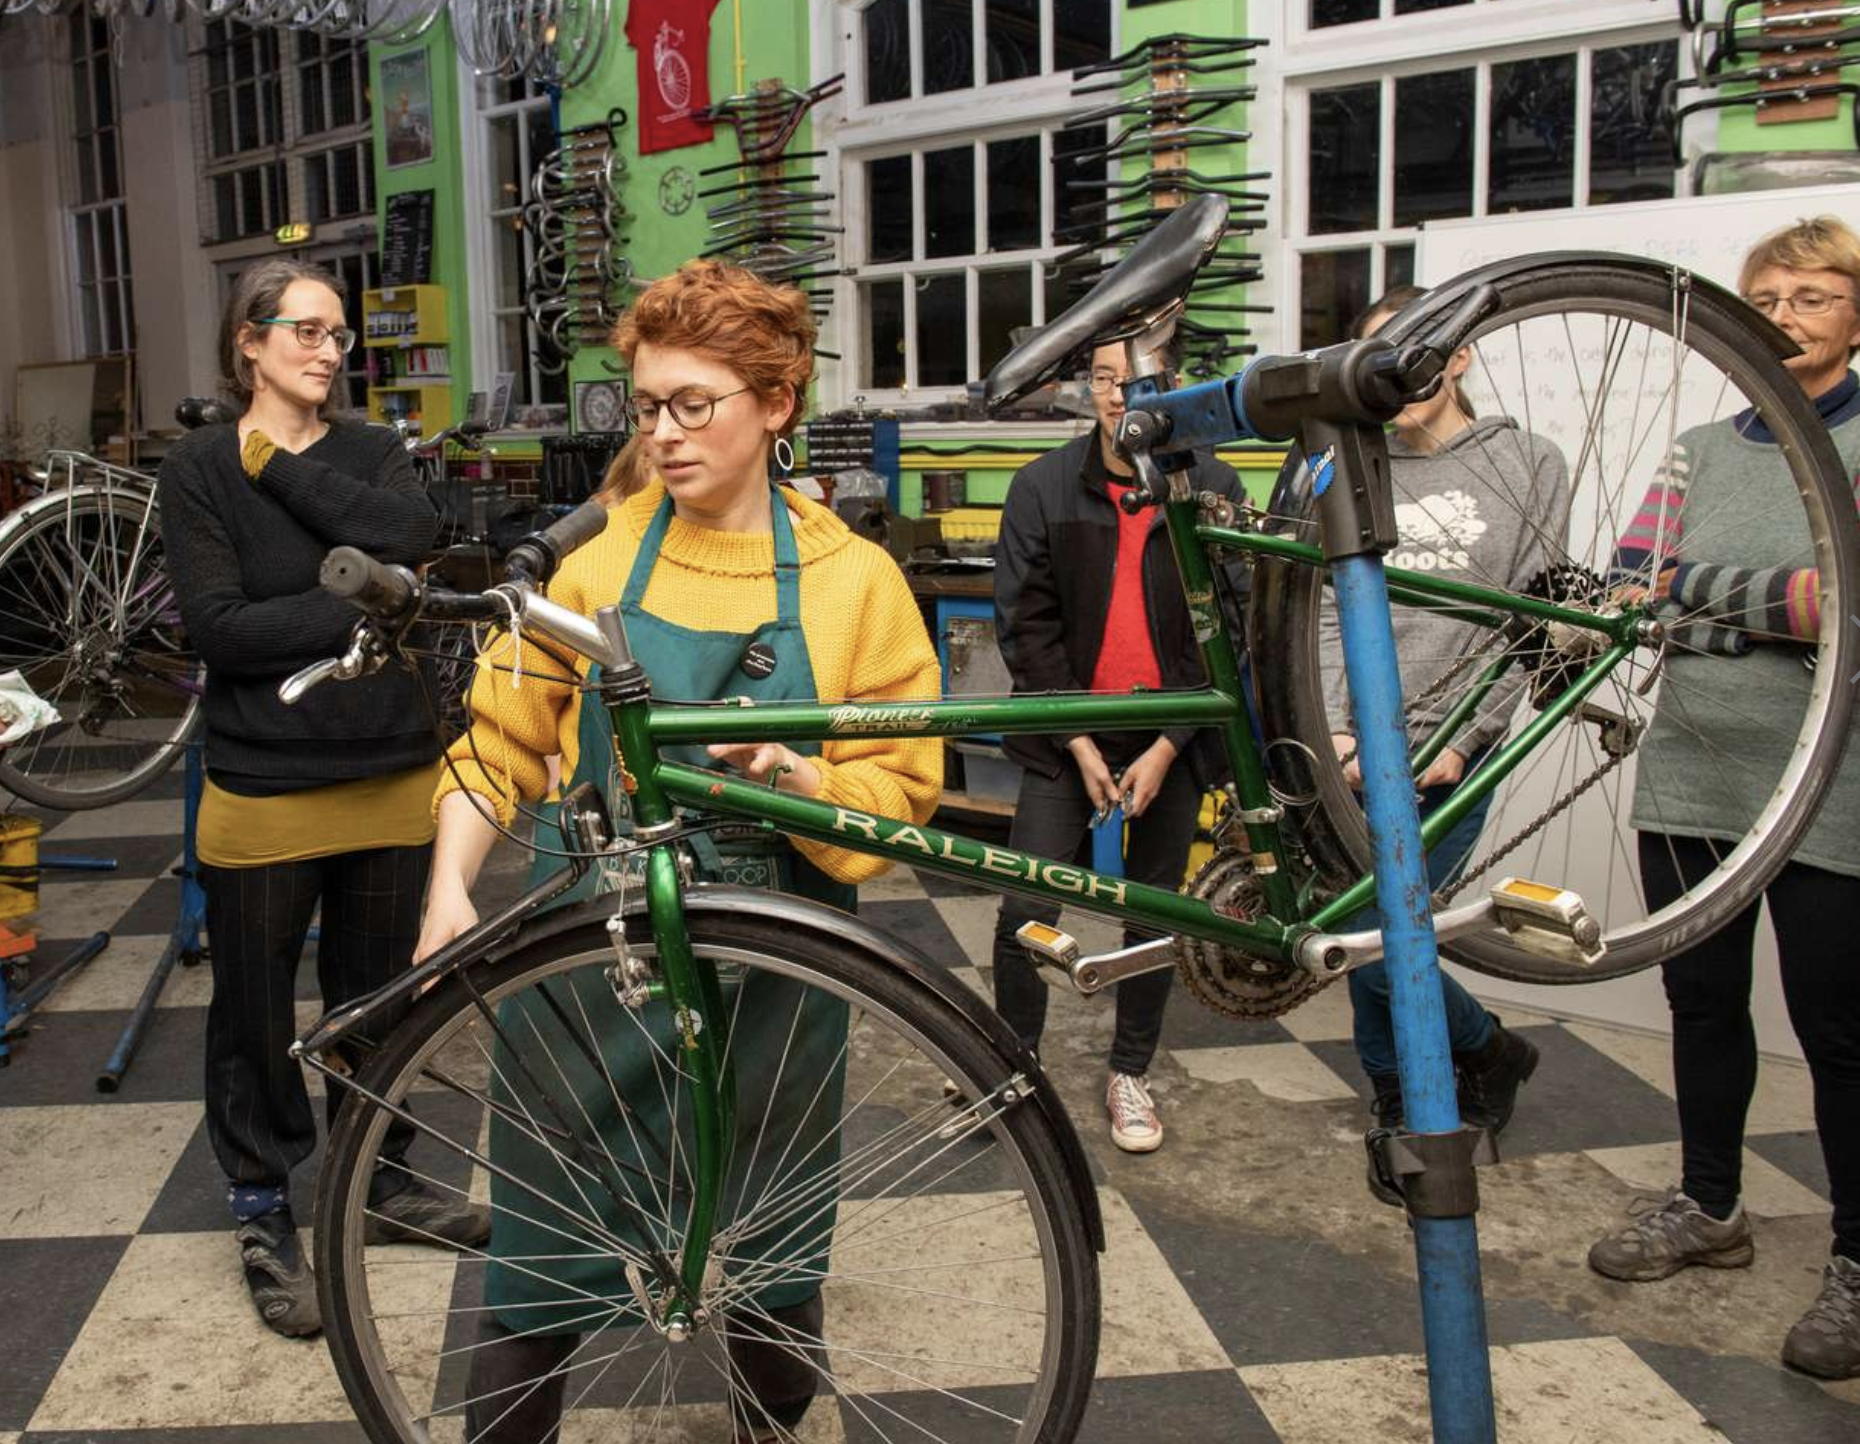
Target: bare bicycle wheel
{"x": 89, "y": 619}
{"x": 1628, "y": 370}
{"x": 927, "y": 1271}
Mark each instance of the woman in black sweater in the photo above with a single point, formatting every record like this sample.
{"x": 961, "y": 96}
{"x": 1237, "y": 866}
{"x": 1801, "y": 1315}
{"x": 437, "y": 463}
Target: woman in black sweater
{"x": 323, "y": 803}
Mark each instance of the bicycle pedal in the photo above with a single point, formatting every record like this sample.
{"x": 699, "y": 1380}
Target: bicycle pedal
{"x": 1047, "y": 944}
{"x": 1552, "y": 922}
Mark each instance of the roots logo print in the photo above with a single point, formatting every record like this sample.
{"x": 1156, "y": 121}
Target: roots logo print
{"x": 1437, "y": 531}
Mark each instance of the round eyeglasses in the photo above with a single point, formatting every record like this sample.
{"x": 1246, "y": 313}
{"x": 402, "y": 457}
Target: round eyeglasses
{"x": 1803, "y": 303}
{"x": 690, "y": 408}
{"x": 312, "y": 334}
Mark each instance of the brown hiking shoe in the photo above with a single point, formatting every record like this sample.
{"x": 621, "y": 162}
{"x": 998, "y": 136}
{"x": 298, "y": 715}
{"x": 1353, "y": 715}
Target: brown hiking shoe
{"x": 1669, "y": 1234}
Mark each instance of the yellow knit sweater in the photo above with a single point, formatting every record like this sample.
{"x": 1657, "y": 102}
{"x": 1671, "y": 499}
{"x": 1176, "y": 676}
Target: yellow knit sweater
{"x": 865, "y": 639}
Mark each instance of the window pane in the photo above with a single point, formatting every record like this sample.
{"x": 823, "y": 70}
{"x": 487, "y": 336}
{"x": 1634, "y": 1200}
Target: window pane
{"x": 1411, "y": 7}
{"x": 949, "y": 45}
{"x": 1333, "y": 289}
{"x": 245, "y": 116}
{"x": 316, "y": 189}
{"x": 1081, "y": 33}
{"x": 104, "y": 76}
{"x": 1068, "y": 195}
{"x": 217, "y": 73}
{"x": 87, "y": 250}
{"x": 1005, "y": 301}
{"x": 887, "y": 51}
{"x": 1433, "y": 146}
{"x": 315, "y": 113}
{"x": 348, "y": 183}
{"x": 225, "y": 209}
{"x": 112, "y": 318}
{"x": 1533, "y": 135}
{"x": 80, "y": 95}
{"x": 219, "y": 110}
{"x": 509, "y": 265}
{"x": 93, "y": 325}
{"x": 541, "y": 131}
{"x": 87, "y": 171}
{"x": 949, "y": 225}
{"x": 1013, "y": 193}
{"x": 942, "y": 330}
{"x": 251, "y": 201}
{"x": 106, "y": 247}
{"x": 1342, "y": 12}
{"x": 112, "y": 183}
{"x": 342, "y": 91}
{"x": 506, "y": 171}
{"x": 1013, "y": 39}
{"x": 884, "y": 334}
{"x": 1345, "y": 158}
{"x": 275, "y": 197}
{"x": 1397, "y": 266}
{"x": 888, "y": 204}
{"x": 1630, "y": 143}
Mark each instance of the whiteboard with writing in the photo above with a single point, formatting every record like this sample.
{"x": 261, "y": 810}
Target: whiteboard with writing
{"x": 1539, "y": 364}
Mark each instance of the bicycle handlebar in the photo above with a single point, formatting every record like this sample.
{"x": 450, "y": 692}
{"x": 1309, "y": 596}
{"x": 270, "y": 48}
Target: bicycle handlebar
{"x": 535, "y": 558}
{"x": 384, "y": 592}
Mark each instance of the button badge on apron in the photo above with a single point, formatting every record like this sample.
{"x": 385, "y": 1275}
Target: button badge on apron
{"x": 759, "y": 660}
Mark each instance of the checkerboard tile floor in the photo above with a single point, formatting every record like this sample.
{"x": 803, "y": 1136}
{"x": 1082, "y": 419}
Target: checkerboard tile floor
{"x": 1253, "y": 1290}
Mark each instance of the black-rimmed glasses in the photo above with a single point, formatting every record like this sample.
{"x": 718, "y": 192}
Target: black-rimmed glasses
{"x": 691, "y": 409}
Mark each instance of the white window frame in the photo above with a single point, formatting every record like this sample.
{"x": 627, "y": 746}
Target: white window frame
{"x": 90, "y": 308}
{"x": 485, "y": 212}
{"x": 1474, "y": 36}
{"x": 853, "y": 133}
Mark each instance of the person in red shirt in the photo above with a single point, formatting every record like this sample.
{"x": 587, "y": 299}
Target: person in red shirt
{"x": 1088, "y": 597}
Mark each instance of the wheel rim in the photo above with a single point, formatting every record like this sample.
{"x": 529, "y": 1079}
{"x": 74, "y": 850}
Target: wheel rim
{"x": 93, "y": 627}
{"x": 1591, "y": 845}
{"x": 894, "y": 1361}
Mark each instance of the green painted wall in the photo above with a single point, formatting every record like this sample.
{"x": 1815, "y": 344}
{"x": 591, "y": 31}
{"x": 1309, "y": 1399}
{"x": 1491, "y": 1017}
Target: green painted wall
{"x": 444, "y": 176}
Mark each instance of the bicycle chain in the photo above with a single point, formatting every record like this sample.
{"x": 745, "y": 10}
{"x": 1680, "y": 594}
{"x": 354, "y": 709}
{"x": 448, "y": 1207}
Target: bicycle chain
{"x": 1536, "y": 825}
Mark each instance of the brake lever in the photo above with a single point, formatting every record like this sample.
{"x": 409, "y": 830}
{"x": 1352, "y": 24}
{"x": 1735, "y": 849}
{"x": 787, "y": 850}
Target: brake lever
{"x": 365, "y": 654}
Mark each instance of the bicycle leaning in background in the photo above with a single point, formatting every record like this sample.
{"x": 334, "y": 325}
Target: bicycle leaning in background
{"x": 958, "y": 1265}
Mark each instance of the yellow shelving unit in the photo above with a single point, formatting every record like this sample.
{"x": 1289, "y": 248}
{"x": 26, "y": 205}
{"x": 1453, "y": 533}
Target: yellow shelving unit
{"x": 407, "y": 326}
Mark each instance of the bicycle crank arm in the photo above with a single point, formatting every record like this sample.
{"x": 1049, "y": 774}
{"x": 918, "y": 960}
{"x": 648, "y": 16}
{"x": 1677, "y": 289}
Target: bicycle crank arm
{"x": 1552, "y": 922}
{"x": 1049, "y": 947}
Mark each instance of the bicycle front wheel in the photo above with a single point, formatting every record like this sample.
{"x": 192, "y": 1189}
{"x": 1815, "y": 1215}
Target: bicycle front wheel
{"x": 920, "y": 1270}
{"x": 89, "y": 619}
{"x": 1722, "y": 725}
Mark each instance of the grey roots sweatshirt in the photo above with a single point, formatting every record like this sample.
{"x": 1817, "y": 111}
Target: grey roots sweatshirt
{"x": 1490, "y": 507}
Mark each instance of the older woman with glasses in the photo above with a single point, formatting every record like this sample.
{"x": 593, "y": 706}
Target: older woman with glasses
{"x": 322, "y": 804}
{"x": 1738, "y": 592}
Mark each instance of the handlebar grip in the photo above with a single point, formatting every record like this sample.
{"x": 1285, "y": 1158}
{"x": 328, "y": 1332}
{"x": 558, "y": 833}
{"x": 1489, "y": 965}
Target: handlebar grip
{"x": 536, "y": 557}
{"x": 366, "y": 584}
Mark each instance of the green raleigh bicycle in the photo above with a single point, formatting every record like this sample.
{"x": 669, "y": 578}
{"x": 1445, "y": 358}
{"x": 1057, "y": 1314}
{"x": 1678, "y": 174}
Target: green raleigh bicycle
{"x": 955, "y": 1248}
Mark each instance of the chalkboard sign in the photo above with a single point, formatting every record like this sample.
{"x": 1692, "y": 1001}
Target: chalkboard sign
{"x": 407, "y": 243}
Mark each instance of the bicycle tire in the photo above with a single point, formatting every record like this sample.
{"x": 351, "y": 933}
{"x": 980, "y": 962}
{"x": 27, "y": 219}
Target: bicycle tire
{"x": 1581, "y": 298}
{"x": 901, "y": 1040}
{"x": 98, "y": 639}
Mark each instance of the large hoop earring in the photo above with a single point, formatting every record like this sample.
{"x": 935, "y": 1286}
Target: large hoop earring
{"x": 784, "y": 455}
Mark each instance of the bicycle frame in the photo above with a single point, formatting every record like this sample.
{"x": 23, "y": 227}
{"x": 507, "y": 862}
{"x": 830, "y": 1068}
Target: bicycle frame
{"x": 658, "y": 786}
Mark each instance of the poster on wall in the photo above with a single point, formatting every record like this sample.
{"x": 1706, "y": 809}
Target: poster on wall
{"x": 408, "y": 91}
{"x": 672, "y": 38}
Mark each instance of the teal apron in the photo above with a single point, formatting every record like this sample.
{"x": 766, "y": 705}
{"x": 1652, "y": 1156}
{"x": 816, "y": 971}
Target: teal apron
{"x": 544, "y": 1280}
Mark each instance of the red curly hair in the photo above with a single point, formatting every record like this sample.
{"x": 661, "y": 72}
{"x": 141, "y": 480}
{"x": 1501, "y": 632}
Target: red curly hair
{"x": 763, "y": 333}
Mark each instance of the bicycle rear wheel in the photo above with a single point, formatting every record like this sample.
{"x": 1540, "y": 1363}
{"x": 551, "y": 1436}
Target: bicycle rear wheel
{"x": 89, "y": 619}
{"x": 1615, "y": 362}
{"x": 950, "y": 1253}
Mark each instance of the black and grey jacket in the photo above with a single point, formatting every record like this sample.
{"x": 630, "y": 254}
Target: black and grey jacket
{"x": 1053, "y": 572}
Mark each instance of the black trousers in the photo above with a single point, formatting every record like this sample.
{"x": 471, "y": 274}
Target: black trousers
{"x": 517, "y": 1383}
{"x": 258, "y": 1110}
{"x": 1816, "y": 915}
{"x": 1052, "y": 819}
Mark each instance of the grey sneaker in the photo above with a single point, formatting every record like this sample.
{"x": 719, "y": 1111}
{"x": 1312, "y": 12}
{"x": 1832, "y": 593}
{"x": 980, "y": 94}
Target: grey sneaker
{"x": 1135, "y": 1128}
{"x": 278, "y": 1275}
{"x": 1826, "y": 1340}
{"x": 1669, "y": 1233}
{"x": 418, "y": 1214}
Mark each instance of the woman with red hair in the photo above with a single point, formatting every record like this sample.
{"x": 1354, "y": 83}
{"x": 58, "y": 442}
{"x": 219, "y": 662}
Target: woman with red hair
{"x": 730, "y": 587}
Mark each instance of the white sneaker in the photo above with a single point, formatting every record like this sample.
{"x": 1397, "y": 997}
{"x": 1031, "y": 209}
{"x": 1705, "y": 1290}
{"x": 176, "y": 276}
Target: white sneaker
{"x": 1135, "y": 1128}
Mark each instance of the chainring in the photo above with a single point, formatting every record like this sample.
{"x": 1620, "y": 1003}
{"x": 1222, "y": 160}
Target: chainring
{"x": 1232, "y": 982}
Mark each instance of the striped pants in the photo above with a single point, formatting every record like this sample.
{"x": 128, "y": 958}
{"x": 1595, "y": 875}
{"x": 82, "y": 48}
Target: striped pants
{"x": 258, "y": 1110}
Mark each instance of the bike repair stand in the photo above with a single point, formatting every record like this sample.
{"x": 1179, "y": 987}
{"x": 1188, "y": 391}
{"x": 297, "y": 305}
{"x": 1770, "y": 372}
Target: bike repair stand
{"x": 1433, "y": 1158}
{"x": 184, "y": 941}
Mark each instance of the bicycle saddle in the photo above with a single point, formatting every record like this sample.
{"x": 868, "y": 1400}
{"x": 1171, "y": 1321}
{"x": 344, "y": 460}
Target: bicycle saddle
{"x": 1154, "y": 276}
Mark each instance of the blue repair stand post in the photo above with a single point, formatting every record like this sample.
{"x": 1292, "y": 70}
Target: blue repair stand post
{"x": 184, "y": 942}
{"x": 1436, "y": 1154}
{"x": 1107, "y": 844}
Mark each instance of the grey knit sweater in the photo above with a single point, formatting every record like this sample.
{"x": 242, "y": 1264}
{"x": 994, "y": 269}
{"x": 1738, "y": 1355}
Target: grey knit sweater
{"x": 1489, "y": 507}
{"x": 1728, "y": 714}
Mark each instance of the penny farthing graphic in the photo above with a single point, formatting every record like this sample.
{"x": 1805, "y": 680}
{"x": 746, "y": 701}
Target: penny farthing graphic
{"x": 672, "y": 69}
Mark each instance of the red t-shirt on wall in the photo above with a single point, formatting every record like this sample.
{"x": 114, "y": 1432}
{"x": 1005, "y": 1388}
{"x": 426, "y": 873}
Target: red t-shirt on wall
{"x": 672, "y": 38}
{"x": 1128, "y": 657}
